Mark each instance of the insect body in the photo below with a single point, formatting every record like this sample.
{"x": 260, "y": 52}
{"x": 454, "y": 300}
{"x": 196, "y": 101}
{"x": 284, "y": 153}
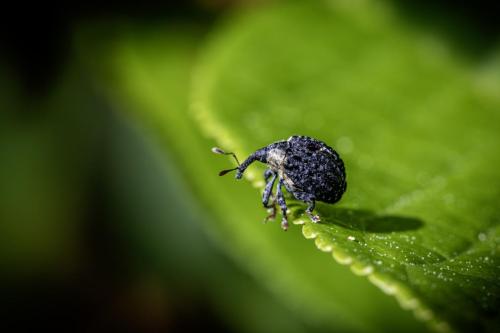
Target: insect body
{"x": 306, "y": 167}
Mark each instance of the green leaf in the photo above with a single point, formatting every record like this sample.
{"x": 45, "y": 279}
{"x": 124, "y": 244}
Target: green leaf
{"x": 140, "y": 71}
{"x": 417, "y": 129}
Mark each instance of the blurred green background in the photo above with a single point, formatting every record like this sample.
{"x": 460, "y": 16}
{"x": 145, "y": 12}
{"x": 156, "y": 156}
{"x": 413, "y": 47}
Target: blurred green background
{"x": 106, "y": 221}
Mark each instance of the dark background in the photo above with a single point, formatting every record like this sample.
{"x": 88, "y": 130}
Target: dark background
{"x": 109, "y": 282}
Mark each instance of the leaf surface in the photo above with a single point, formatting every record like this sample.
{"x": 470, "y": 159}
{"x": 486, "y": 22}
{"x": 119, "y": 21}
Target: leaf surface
{"x": 417, "y": 130}
{"x": 140, "y": 71}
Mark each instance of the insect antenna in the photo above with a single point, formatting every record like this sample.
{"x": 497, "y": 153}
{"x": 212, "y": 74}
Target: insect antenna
{"x": 223, "y": 172}
{"x": 219, "y": 151}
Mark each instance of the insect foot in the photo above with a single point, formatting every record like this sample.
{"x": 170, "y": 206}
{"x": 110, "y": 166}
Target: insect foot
{"x": 272, "y": 214}
{"x": 284, "y": 224}
{"x": 315, "y": 218}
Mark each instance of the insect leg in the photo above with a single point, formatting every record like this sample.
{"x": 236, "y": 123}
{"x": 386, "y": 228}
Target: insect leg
{"x": 268, "y": 173}
{"x": 268, "y": 191}
{"x": 282, "y": 203}
{"x": 311, "y": 203}
{"x": 315, "y": 218}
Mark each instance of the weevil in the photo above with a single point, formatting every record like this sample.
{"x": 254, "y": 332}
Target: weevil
{"x": 308, "y": 168}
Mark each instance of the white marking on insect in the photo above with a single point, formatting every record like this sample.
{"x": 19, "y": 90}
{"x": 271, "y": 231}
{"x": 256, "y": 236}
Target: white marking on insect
{"x": 276, "y": 158}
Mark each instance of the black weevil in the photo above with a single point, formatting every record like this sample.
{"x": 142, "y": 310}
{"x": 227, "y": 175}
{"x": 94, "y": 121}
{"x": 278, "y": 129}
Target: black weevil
{"x": 308, "y": 168}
